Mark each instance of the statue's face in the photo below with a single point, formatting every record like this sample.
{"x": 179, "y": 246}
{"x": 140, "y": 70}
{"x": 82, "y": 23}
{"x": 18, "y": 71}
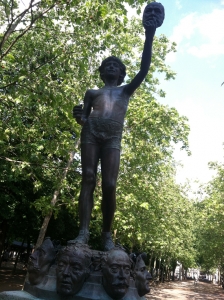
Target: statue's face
{"x": 112, "y": 69}
{"x": 142, "y": 277}
{"x": 71, "y": 273}
{"x": 153, "y": 12}
{"x": 40, "y": 262}
{"x": 116, "y": 274}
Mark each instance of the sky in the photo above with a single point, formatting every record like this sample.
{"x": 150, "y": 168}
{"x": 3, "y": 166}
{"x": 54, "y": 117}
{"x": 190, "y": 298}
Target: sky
{"x": 197, "y": 26}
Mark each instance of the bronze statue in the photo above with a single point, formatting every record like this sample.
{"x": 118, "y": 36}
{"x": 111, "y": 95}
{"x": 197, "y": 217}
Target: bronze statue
{"x": 73, "y": 267}
{"x": 40, "y": 261}
{"x": 102, "y": 118}
{"x": 116, "y": 269}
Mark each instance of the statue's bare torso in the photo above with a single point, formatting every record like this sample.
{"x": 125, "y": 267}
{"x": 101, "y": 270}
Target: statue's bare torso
{"x": 108, "y": 103}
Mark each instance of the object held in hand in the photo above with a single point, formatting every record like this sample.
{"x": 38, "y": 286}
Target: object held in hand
{"x": 77, "y": 111}
{"x": 153, "y": 15}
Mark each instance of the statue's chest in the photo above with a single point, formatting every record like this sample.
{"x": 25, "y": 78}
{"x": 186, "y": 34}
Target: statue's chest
{"x": 110, "y": 97}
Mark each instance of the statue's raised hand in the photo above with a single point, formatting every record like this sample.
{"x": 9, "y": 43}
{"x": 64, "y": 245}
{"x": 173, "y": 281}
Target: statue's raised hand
{"x": 153, "y": 16}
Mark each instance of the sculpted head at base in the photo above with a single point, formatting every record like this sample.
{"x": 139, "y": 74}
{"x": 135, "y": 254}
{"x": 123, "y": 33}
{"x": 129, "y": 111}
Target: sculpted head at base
{"x": 116, "y": 267}
{"x": 40, "y": 261}
{"x": 153, "y": 12}
{"x": 73, "y": 267}
{"x": 141, "y": 276}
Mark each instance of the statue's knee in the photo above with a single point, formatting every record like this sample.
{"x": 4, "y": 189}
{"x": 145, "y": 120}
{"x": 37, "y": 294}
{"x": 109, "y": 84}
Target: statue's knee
{"x": 89, "y": 179}
{"x": 109, "y": 187}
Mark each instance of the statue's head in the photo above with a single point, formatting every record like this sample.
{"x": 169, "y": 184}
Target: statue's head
{"x": 153, "y": 11}
{"x": 120, "y": 65}
{"x": 40, "y": 261}
{"x": 116, "y": 268}
{"x": 141, "y": 276}
{"x": 73, "y": 267}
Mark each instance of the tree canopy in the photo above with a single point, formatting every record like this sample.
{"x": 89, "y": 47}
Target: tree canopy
{"x": 50, "y": 53}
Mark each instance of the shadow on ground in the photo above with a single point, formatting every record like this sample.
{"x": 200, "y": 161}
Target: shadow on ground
{"x": 9, "y": 281}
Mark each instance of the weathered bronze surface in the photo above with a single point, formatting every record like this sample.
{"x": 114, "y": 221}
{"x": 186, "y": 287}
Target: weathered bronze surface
{"x": 116, "y": 270}
{"x": 41, "y": 261}
{"x": 141, "y": 275}
{"x": 81, "y": 273}
{"x": 73, "y": 267}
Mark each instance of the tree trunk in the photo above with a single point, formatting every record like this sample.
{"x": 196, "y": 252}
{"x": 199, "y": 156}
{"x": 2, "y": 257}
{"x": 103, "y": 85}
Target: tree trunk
{"x": 150, "y": 264}
{"x": 3, "y": 231}
{"x": 43, "y": 230}
{"x": 162, "y": 273}
{"x": 27, "y": 250}
{"x": 174, "y": 264}
{"x": 54, "y": 200}
{"x": 17, "y": 257}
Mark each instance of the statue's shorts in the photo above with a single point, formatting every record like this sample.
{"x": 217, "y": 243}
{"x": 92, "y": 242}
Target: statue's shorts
{"x": 105, "y": 133}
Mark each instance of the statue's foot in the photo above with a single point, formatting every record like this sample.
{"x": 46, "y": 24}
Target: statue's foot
{"x": 82, "y": 238}
{"x": 108, "y": 243}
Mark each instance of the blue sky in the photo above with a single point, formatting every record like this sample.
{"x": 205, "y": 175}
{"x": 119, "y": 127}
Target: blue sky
{"x": 197, "y": 26}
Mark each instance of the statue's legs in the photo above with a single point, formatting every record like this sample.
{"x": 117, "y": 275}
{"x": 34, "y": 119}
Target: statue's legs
{"x": 110, "y": 161}
{"x": 89, "y": 158}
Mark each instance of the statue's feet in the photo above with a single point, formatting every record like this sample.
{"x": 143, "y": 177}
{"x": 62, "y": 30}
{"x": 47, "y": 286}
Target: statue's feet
{"x": 82, "y": 238}
{"x": 108, "y": 243}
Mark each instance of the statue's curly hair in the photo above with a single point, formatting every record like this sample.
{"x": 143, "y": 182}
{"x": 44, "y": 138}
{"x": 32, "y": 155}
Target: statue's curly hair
{"x": 104, "y": 258}
{"x": 76, "y": 249}
{"x": 121, "y": 65}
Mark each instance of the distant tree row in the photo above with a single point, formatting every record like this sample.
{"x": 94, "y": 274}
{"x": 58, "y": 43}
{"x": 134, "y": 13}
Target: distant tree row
{"x": 210, "y": 223}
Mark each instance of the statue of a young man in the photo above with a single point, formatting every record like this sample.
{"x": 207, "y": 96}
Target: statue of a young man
{"x": 102, "y": 119}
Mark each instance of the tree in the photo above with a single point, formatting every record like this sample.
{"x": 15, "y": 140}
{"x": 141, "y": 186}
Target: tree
{"x": 49, "y": 60}
{"x": 211, "y": 219}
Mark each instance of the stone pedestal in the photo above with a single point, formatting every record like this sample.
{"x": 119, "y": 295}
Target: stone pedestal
{"x": 91, "y": 290}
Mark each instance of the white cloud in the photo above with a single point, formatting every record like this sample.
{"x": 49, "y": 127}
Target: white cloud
{"x": 178, "y": 4}
{"x": 201, "y": 35}
{"x": 206, "y": 50}
{"x": 222, "y": 2}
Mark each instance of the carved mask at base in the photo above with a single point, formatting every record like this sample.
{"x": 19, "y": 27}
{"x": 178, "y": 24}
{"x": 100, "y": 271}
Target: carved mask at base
{"x": 116, "y": 267}
{"x": 141, "y": 276}
{"x": 40, "y": 261}
{"x": 72, "y": 269}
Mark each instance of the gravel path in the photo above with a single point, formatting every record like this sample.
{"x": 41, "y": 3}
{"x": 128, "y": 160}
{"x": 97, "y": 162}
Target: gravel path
{"x": 186, "y": 290}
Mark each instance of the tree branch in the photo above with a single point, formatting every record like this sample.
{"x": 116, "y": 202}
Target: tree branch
{"x": 14, "y": 25}
{"x": 33, "y": 71}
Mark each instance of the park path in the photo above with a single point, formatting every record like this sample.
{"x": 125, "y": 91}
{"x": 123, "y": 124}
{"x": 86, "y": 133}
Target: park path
{"x": 186, "y": 290}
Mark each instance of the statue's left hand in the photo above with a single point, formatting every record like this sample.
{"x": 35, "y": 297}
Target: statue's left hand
{"x": 77, "y": 113}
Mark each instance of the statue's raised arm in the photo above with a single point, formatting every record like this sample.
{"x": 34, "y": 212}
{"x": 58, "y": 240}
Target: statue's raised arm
{"x": 153, "y": 17}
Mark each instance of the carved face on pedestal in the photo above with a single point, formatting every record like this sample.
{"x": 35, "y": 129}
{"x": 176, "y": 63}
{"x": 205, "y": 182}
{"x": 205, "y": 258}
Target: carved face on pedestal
{"x": 116, "y": 273}
{"x": 40, "y": 262}
{"x": 72, "y": 269}
{"x": 141, "y": 276}
{"x": 153, "y": 12}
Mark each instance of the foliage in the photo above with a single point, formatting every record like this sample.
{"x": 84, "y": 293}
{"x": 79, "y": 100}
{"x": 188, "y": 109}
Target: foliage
{"x": 49, "y": 58}
{"x": 210, "y": 233}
